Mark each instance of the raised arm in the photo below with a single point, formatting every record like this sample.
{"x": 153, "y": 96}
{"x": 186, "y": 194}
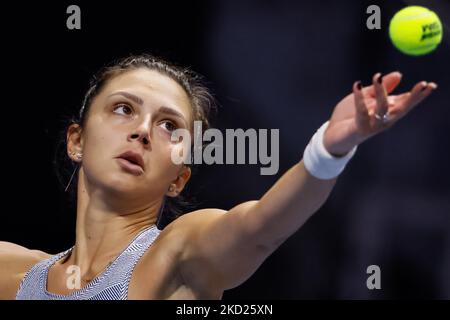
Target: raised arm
{"x": 225, "y": 248}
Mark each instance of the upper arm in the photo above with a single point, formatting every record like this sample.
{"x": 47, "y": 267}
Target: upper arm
{"x": 222, "y": 248}
{"x": 227, "y": 247}
{"x": 15, "y": 261}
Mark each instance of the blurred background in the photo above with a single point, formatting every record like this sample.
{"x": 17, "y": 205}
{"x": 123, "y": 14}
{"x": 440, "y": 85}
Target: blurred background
{"x": 271, "y": 64}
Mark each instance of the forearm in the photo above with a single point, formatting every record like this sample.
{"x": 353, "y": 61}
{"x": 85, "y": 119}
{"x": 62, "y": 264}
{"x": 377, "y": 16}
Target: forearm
{"x": 283, "y": 209}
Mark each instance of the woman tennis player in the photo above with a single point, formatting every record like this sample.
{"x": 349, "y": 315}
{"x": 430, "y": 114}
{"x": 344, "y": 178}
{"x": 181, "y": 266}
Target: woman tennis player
{"x": 121, "y": 145}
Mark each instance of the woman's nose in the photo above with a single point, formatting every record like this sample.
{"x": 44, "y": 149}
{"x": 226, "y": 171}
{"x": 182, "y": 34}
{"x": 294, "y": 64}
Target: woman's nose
{"x": 142, "y": 131}
{"x": 140, "y": 136}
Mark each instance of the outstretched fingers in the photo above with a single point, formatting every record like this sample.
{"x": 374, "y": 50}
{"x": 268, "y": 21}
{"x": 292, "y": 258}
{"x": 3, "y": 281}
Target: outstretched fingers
{"x": 411, "y": 99}
{"x": 390, "y": 82}
{"x": 380, "y": 95}
{"x": 361, "y": 108}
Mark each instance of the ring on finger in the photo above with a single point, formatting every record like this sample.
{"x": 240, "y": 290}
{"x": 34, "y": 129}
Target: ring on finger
{"x": 383, "y": 118}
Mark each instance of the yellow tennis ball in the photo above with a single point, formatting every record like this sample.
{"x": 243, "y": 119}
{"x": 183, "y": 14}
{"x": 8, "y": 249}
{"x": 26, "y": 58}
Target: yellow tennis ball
{"x": 415, "y": 30}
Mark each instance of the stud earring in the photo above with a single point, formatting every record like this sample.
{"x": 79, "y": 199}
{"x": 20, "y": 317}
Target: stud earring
{"x": 77, "y": 155}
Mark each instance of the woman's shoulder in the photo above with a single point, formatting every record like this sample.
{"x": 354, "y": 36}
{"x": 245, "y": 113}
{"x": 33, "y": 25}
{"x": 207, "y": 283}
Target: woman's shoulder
{"x": 198, "y": 217}
{"x": 15, "y": 261}
{"x": 176, "y": 233}
{"x": 190, "y": 224}
{"x": 12, "y": 250}
{"x": 192, "y": 221}
{"x": 165, "y": 259}
{"x": 173, "y": 238}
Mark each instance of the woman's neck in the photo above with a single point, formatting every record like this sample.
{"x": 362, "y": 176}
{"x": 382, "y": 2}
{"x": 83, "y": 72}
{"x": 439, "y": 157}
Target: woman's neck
{"x": 103, "y": 232}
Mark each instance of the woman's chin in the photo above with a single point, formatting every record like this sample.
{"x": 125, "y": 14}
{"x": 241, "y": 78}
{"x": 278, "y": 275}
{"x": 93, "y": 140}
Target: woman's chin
{"x": 120, "y": 183}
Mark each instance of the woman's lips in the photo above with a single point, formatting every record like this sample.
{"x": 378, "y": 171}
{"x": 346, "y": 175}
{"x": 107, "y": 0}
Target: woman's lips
{"x": 130, "y": 167}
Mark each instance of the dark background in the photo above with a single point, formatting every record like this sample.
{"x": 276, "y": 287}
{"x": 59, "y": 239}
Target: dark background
{"x": 271, "y": 64}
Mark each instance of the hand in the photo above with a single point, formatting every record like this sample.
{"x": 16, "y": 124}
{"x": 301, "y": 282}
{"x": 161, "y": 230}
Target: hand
{"x": 359, "y": 115}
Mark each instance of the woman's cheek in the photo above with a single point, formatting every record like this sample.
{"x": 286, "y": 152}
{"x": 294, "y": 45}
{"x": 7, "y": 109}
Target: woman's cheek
{"x": 160, "y": 159}
{"x": 180, "y": 153}
{"x": 179, "y": 149}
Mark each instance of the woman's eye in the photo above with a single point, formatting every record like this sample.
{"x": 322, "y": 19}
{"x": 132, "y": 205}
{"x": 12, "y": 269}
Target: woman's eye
{"x": 169, "y": 126}
{"x": 123, "y": 109}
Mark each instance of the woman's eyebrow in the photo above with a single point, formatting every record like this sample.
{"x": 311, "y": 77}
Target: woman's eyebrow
{"x": 139, "y": 101}
{"x": 172, "y": 112}
{"x": 129, "y": 96}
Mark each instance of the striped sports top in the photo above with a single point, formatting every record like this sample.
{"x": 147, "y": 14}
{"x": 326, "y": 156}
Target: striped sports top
{"x": 111, "y": 284}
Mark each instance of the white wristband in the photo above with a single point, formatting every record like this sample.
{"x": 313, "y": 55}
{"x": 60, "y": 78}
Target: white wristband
{"x": 319, "y": 162}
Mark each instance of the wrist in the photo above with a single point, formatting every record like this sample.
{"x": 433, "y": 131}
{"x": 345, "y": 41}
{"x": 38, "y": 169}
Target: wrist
{"x": 341, "y": 148}
{"x": 319, "y": 162}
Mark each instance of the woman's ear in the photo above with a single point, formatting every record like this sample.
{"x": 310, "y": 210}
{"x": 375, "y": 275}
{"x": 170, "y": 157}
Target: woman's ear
{"x": 74, "y": 142}
{"x": 178, "y": 184}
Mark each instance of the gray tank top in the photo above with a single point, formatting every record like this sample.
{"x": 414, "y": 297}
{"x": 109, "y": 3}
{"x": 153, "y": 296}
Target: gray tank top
{"x": 111, "y": 284}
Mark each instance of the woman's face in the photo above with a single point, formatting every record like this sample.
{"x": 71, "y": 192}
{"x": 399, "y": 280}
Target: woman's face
{"x": 135, "y": 112}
